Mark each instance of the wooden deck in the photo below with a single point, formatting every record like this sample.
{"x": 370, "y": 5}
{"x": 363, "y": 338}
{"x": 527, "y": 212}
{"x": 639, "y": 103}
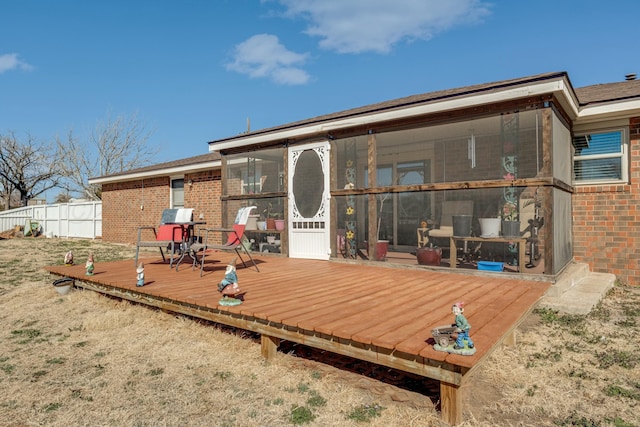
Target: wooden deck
{"x": 371, "y": 312}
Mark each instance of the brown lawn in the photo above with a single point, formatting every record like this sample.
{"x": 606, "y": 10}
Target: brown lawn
{"x": 85, "y": 359}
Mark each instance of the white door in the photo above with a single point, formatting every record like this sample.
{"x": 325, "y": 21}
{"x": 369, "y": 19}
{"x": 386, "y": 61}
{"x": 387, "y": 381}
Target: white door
{"x": 309, "y": 201}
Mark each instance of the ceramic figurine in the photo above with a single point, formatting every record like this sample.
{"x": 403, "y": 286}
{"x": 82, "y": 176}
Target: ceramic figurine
{"x": 443, "y": 335}
{"x": 68, "y": 258}
{"x": 89, "y": 265}
{"x": 228, "y": 286}
{"x": 462, "y": 327}
{"x": 140, "y": 275}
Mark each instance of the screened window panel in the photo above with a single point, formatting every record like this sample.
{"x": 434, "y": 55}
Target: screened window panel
{"x": 599, "y": 156}
{"x": 597, "y": 169}
{"x": 260, "y": 172}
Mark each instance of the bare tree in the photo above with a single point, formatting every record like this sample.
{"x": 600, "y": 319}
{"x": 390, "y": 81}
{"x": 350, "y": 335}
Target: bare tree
{"x": 63, "y": 197}
{"x": 28, "y": 168}
{"x": 116, "y": 145}
{"x": 6, "y": 190}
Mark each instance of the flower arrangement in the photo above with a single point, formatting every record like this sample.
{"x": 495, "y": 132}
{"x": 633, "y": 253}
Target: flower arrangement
{"x": 509, "y": 212}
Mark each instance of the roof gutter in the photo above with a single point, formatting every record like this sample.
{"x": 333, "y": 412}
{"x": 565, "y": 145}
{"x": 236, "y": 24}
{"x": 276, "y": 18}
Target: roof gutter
{"x": 616, "y": 110}
{"x": 560, "y": 86}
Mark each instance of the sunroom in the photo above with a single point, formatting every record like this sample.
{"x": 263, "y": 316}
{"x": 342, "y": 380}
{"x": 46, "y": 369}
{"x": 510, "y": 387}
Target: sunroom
{"x": 480, "y": 176}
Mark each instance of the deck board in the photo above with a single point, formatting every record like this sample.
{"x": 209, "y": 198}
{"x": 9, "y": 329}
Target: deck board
{"x": 367, "y": 310}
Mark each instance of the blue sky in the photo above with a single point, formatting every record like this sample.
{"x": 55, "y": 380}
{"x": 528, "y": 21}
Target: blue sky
{"x": 195, "y": 71}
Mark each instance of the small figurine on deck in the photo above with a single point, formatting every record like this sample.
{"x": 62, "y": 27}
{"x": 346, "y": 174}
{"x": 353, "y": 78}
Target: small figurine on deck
{"x": 443, "y": 335}
{"x": 228, "y": 287}
{"x": 68, "y": 258}
{"x": 140, "y": 275}
{"x": 462, "y": 327}
{"x": 88, "y": 266}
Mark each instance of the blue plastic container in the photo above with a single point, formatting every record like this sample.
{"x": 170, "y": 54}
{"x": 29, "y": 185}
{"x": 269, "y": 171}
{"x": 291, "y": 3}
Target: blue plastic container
{"x": 490, "y": 266}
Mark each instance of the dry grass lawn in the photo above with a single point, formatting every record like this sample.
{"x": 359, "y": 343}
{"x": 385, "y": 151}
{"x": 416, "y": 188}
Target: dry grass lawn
{"x": 86, "y": 359}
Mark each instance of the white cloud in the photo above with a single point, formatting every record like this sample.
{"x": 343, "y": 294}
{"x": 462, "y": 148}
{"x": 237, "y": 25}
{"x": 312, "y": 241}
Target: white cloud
{"x": 355, "y": 26}
{"x": 10, "y": 61}
{"x": 263, "y": 56}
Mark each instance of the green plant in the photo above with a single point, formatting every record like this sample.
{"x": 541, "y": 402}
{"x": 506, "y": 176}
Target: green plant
{"x": 576, "y": 420}
{"x": 617, "y": 391}
{"x": 7, "y": 368}
{"x": 509, "y": 212}
{"x": 155, "y": 372}
{"x": 28, "y": 333}
{"x": 268, "y": 212}
{"x": 52, "y": 407}
{"x": 223, "y": 375}
{"x": 623, "y": 359}
{"x": 364, "y": 413}
{"x": 301, "y": 415}
{"x": 316, "y": 400}
{"x": 619, "y": 422}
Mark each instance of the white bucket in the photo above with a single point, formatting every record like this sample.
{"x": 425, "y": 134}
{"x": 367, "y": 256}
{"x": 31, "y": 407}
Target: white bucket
{"x": 489, "y": 227}
{"x": 63, "y": 286}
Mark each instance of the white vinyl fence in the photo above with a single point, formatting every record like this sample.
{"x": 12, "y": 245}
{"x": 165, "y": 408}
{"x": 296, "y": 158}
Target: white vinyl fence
{"x": 82, "y": 219}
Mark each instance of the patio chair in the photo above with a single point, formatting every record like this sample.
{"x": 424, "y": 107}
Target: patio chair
{"x": 234, "y": 243}
{"x": 170, "y": 234}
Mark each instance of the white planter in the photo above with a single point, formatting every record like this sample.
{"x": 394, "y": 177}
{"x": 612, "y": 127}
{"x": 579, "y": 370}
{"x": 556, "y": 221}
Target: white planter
{"x": 490, "y": 227}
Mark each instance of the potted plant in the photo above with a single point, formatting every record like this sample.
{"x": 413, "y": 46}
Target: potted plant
{"x": 270, "y": 217}
{"x": 279, "y": 222}
{"x": 273, "y": 220}
{"x": 510, "y": 223}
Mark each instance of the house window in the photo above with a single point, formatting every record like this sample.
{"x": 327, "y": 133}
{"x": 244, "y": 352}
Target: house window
{"x": 600, "y": 157}
{"x": 177, "y": 193}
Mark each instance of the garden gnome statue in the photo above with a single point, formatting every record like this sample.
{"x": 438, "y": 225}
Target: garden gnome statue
{"x": 89, "y": 265}
{"x": 228, "y": 287}
{"x": 68, "y": 258}
{"x": 140, "y": 275}
{"x": 462, "y": 327}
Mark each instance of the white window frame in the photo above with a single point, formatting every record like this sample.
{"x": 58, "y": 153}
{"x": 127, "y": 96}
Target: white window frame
{"x": 171, "y": 191}
{"x": 623, "y": 155}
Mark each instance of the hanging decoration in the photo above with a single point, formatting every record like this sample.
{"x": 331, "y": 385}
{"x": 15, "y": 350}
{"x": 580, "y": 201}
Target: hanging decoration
{"x": 510, "y": 125}
{"x": 350, "y": 179}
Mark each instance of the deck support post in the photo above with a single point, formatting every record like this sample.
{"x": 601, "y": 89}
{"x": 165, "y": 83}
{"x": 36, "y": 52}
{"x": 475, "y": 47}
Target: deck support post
{"x": 450, "y": 403}
{"x": 269, "y": 346}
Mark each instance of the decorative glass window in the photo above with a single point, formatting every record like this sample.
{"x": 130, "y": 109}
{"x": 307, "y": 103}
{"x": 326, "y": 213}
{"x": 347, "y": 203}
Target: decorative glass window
{"x": 600, "y": 157}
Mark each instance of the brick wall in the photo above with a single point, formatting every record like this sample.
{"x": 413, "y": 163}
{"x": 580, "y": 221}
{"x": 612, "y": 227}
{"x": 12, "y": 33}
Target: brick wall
{"x": 204, "y": 197}
{"x": 606, "y": 221}
{"x": 129, "y": 205}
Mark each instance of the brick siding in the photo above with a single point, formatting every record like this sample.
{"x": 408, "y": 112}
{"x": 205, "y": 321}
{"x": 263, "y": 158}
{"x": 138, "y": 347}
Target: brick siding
{"x": 129, "y": 205}
{"x": 606, "y": 221}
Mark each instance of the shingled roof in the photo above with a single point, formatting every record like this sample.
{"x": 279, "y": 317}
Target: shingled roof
{"x": 587, "y": 96}
{"x": 191, "y": 163}
{"x": 608, "y": 92}
{"x": 399, "y": 103}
